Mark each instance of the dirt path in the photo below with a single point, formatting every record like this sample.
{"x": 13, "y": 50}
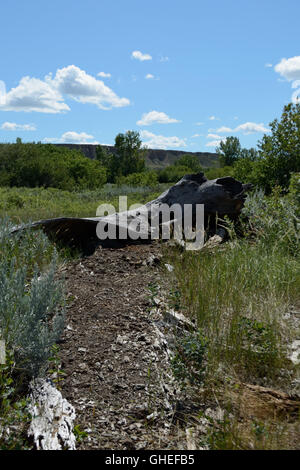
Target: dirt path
{"x": 112, "y": 356}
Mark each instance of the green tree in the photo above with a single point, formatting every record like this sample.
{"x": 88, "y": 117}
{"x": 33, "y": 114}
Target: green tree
{"x": 190, "y": 161}
{"x": 109, "y": 161}
{"x": 229, "y": 151}
{"x": 280, "y": 151}
{"x": 131, "y": 157}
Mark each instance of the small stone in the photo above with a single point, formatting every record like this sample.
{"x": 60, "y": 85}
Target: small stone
{"x": 139, "y": 386}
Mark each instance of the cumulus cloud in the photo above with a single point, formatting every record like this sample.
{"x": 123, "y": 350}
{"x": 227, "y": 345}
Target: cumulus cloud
{"x": 84, "y": 88}
{"x": 47, "y": 96}
{"x": 36, "y": 95}
{"x": 251, "y": 128}
{"x": 213, "y": 136}
{"x": 214, "y": 143}
{"x": 140, "y": 56}
{"x": 246, "y": 128}
{"x": 12, "y": 126}
{"x": 150, "y": 76}
{"x": 290, "y": 70}
{"x": 154, "y": 117}
{"x": 104, "y": 75}
{"x": 213, "y": 118}
{"x": 72, "y": 137}
{"x": 155, "y": 141}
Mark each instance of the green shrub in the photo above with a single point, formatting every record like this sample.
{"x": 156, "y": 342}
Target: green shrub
{"x": 173, "y": 173}
{"x": 35, "y": 164}
{"x": 274, "y": 220}
{"x": 146, "y": 179}
{"x": 32, "y": 315}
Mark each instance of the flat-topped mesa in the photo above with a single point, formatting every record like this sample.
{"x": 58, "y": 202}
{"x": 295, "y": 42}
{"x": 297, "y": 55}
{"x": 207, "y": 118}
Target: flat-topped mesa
{"x": 221, "y": 196}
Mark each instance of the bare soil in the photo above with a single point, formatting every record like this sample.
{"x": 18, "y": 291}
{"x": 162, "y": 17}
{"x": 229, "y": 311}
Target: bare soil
{"x": 111, "y": 356}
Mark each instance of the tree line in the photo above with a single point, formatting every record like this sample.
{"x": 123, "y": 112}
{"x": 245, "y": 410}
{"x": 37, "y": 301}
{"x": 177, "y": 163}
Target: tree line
{"x": 272, "y": 163}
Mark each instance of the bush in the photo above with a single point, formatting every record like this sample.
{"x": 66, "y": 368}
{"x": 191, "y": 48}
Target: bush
{"x": 34, "y": 165}
{"x": 31, "y": 300}
{"x": 173, "y": 173}
{"x": 147, "y": 179}
{"x": 31, "y": 317}
{"x": 274, "y": 221}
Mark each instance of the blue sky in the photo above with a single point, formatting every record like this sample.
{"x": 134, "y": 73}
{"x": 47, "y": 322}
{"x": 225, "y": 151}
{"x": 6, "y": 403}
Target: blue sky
{"x": 185, "y": 74}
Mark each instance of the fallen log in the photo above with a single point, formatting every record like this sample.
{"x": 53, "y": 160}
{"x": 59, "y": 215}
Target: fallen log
{"x": 220, "y": 197}
{"x": 52, "y": 418}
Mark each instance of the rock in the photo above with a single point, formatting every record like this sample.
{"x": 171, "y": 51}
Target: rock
{"x": 169, "y": 267}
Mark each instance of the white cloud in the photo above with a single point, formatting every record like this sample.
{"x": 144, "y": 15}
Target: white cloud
{"x": 72, "y": 137}
{"x": 155, "y": 117}
{"x": 251, "y": 128}
{"x": 224, "y": 129}
{"x": 140, "y": 56}
{"x": 213, "y": 136}
{"x": 104, "y": 75}
{"x": 196, "y": 135}
{"x": 149, "y": 76}
{"x": 35, "y": 95}
{"x": 214, "y": 118}
{"x": 268, "y": 65}
{"x": 47, "y": 96}
{"x": 85, "y": 88}
{"x": 246, "y": 128}
{"x": 12, "y": 126}
{"x": 151, "y": 140}
{"x": 296, "y": 96}
{"x": 289, "y": 68}
{"x": 199, "y": 123}
{"x": 214, "y": 143}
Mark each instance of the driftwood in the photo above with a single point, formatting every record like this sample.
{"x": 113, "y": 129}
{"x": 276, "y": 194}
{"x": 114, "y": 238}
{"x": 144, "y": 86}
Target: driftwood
{"x": 221, "y": 196}
{"x": 52, "y": 418}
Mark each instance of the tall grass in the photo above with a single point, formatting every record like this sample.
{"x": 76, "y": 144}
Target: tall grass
{"x": 28, "y": 204}
{"x": 240, "y": 293}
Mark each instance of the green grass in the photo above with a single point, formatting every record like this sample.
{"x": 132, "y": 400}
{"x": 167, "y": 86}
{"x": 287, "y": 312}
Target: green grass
{"x": 29, "y": 204}
{"x": 239, "y": 294}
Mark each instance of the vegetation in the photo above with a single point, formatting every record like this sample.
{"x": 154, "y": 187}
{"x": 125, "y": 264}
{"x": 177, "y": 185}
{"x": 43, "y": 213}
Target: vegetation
{"x": 31, "y": 321}
{"x": 277, "y": 157}
{"x": 28, "y": 204}
{"x": 127, "y": 159}
{"x": 45, "y": 165}
{"x": 239, "y": 296}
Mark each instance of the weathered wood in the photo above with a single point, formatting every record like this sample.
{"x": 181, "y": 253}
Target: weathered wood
{"x": 221, "y": 196}
{"x": 52, "y": 418}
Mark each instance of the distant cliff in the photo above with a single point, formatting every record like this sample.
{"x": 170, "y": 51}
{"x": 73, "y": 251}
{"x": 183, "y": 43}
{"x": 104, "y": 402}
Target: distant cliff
{"x": 154, "y": 158}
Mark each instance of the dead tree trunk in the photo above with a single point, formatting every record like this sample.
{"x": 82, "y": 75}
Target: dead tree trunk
{"x": 221, "y": 196}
